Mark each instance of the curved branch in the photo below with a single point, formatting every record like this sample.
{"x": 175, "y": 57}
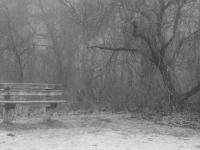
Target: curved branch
{"x": 190, "y": 93}
{"x": 124, "y": 49}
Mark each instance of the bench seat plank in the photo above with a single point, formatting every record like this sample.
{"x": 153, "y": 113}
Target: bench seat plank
{"x": 32, "y": 94}
{"x": 33, "y": 102}
{"x": 30, "y": 86}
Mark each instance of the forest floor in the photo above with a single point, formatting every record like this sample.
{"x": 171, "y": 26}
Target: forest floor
{"x": 102, "y": 131}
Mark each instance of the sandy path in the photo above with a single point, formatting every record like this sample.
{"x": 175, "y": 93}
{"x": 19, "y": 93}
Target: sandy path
{"x": 97, "y": 133}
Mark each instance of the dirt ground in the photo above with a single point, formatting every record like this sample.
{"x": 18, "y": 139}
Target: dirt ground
{"x": 96, "y": 132}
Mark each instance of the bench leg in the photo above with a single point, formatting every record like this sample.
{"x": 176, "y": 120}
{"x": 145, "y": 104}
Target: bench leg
{"x": 47, "y": 115}
{"x": 49, "y": 111}
{"x": 8, "y": 112}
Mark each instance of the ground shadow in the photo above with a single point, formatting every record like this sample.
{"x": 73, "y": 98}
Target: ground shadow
{"x": 31, "y": 126}
{"x": 56, "y": 124}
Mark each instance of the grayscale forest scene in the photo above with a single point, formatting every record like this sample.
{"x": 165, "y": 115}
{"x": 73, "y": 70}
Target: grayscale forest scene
{"x": 99, "y": 74}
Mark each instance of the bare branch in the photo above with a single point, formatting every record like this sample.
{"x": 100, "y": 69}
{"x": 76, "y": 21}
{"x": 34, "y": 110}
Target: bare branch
{"x": 190, "y": 93}
{"x": 72, "y": 9}
{"x": 175, "y": 25}
{"x": 185, "y": 39}
{"x": 124, "y": 49}
{"x": 171, "y": 2}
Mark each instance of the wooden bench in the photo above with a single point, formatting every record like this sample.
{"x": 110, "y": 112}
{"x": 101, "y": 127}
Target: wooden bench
{"x": 29, "y": 94}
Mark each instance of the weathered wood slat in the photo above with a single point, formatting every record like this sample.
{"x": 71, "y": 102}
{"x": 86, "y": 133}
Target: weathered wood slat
{"x": 28, "y": 89}
{"x": 33, "y": 102}
{"x": 30, "y": 86}
{"x": 24, "y": 93}
{"x": 31, "y": 97}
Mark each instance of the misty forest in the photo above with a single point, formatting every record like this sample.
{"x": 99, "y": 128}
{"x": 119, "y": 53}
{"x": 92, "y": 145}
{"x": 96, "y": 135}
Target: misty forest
{"x": 133, "y": 56}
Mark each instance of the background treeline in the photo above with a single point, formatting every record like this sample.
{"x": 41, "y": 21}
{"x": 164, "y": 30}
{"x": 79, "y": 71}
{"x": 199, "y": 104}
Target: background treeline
{"x": 135, "y": 55}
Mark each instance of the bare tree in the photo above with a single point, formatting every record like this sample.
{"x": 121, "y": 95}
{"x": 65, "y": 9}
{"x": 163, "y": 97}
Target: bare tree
{"x": 18, "y": 37}
{"x": 57, "y": 45}
{"x": 151, "y": 22}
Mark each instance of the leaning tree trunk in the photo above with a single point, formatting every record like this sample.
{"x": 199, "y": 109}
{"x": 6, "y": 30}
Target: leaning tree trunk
{"x": 176, "y": 101}
{"x": 169, "y": 85}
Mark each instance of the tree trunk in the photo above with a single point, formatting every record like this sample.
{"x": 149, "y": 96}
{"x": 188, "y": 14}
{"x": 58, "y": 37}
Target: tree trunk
{"x": 169, "y": 85}
{"x": 176, "y": 101}
{"x": 20, "y": 68}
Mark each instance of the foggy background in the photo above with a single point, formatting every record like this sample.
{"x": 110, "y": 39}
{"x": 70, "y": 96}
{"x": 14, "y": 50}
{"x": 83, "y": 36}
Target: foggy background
{"x": 110, "y": 55}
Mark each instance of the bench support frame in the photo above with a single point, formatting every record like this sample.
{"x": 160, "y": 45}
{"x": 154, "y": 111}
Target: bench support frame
{"x": 8, "y": 112}
{"x": 22, "y": 93}
{"x": 49, "y": 111}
